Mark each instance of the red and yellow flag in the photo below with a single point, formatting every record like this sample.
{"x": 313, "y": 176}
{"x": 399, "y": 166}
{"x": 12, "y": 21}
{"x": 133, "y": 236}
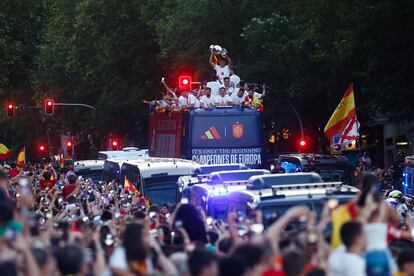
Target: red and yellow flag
{"x": 21, "y": 158}
{"x": 129, "y": 187}
{"x": 4, "y": 152}
{"x": 342, "y": 114}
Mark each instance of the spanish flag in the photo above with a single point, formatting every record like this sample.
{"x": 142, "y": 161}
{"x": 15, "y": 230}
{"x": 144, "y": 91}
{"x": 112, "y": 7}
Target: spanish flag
{"x": 4, "y": 152}
{"x": 342, "y": 114}
{"x": 129, "y": 187}
{"x": 21, "y": 158}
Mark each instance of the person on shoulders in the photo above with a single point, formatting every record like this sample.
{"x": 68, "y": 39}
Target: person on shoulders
{"x": 222, "y": 99}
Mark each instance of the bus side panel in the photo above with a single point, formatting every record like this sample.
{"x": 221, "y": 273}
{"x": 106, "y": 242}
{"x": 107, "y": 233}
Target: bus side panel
{"x": 230, "y": 138}
{"x": 164, "y": 131}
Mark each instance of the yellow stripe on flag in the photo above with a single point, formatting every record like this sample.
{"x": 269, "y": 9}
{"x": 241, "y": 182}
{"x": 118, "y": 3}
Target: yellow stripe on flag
{"x": 209, "y": 135}
{"x": 21, "y": 158}
{"x": 342, "y": 114}
{"x": 4, "y": 152}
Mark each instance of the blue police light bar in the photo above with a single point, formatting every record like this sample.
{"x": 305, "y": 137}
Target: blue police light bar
{"x": 268, "y": 181}
{"x": 237, "y": 175}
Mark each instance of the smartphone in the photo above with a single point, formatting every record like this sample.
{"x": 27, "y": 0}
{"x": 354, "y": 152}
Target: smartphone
{"x": 376, "y": 192}
{"x": 257, "y": 228}
{"x": 178, "y": 224}
{"x": 184, "y": 200}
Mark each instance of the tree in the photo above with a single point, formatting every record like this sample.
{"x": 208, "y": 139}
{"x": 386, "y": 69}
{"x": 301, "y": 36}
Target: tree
{"x": 100, "y": 53}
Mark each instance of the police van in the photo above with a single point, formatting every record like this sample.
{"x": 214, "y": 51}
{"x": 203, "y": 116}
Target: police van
{"x": 112, "y": 168}
{"x": 212, "y": 194}
{"x": 201, "y": 174}
{"x": 330, "y": 167}
{"x": 223, "y": 135}
{"x": 126, "y": 153}
{"x": 275, "y": 194}
{"x": 157, "y": 177}
{"x": 89, "y": 169}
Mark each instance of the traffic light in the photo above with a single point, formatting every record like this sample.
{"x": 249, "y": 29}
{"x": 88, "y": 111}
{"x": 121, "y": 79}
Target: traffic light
{"x": 184, "y": 82}
{"x": 42, "y": 148}
{"x": 69, "y": 147}
{"x": 49, "y": 107}
{"x": 114, "y": 144}
{"x": 10, "y": 109}
{"x": 302, "y": 143}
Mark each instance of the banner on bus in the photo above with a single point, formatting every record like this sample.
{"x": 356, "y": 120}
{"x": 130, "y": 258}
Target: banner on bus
{"x": 251, "y": 157}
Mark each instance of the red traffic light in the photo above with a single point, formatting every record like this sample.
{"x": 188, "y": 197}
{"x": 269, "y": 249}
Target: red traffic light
{"x": 114, "y": 144}
{"x": 10, "y": 108}
{"x": 184, "y": 82}
{"x": 49, "y": 107}
{"x": 302, "y": 143}
{"x": 42, "y": 148}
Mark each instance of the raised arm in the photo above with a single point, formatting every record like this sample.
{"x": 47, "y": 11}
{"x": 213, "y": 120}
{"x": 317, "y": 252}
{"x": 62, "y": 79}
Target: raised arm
{"x": 229, "y": 63}
{"x": 211, "y": 60}
{"x": 275, "y": 230}
{"x": 169, "y": 90}
{"x": 264, "y": 90}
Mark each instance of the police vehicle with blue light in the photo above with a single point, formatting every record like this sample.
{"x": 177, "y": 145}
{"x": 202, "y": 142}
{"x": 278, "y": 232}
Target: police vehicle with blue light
{"x": 275, "y": 194}
{"x": 212, "y": 194}
{"x": 202, "y": 174}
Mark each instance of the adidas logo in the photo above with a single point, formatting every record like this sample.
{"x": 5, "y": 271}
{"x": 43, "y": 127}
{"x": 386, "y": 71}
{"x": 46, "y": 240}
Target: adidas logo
{"x": 211, "y": 134}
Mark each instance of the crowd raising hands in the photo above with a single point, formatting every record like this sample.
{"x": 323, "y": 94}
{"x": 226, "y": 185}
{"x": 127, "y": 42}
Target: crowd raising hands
{"x": 75, "y": 226}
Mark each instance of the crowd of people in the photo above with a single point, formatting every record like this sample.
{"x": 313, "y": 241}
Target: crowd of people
{"x": 224, "y": 89}
{"x": 54, "y": 222}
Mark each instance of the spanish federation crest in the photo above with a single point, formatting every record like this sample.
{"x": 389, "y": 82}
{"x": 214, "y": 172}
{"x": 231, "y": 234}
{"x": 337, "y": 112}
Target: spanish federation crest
{"x": 238, "y": 130}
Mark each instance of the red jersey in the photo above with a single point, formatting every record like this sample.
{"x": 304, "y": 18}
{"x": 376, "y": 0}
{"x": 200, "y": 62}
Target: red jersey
{"x": 47, "y": 184}
{"x": 13, "y": 172}
{"x": 68, "y": 189}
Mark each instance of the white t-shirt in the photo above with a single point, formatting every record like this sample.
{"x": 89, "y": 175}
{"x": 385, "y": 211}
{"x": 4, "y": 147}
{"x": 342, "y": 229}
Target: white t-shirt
{"x": 196, "y": 103}
{"x": 215, "y": 87}
{"x": 207, "y": 101}
{"x": 222, "y": 72}
{"x": 219, "y": 100}
{"x": 236, "y": 100}
{"x": 342, "y": 263}
{"x": 235, "y": 79}
{"x": 229, "y": 90}
{"x": 183, "y": 101}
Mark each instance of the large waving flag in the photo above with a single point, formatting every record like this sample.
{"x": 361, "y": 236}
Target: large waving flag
{"x": 4, "y": 152}
{"x": 129, "y": 187}
{"x": 344, "y": 112}
{"x": 21, "y": 158}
